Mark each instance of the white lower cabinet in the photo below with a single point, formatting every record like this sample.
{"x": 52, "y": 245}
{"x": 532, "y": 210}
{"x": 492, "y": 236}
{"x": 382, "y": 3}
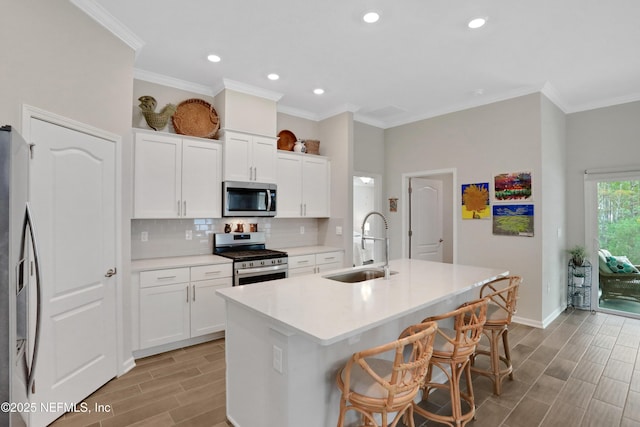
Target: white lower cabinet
{"x": 299, "y": 265}
{"x": 181, "y": 303}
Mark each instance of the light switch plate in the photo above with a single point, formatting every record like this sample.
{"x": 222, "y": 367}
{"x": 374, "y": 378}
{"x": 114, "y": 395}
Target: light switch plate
{"x": 144, "y": 236}
{"x": 338, "y": 230}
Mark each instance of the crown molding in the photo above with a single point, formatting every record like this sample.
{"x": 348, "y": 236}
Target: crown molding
{"x": 297, "y": 112}
{"x": 362, "y": 118}
{"x": 550, "y": 92}
{"x": 480, "y": 101}
{"x": 108, "y": 21}
{"x": 161, "y": 79}
{"x": 251, "y": 90}
{"x": 634, "y": 97}
{"x": 345, "y": 108}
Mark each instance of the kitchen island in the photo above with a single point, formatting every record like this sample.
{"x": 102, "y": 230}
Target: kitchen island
{"x": 286, "y": 339}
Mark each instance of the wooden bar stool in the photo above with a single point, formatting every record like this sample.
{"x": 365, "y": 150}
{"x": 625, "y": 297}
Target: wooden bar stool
{"x": 373, "y": 385}
{"x": 452, "y": 351}
{"x": 502, "y": 294}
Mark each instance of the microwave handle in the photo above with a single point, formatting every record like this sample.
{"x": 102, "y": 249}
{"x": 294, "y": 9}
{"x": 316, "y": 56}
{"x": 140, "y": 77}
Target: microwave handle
{"x": 268, "y": 200}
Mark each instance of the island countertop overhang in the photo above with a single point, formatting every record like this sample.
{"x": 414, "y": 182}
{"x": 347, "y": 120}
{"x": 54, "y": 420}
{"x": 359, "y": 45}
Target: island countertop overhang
{"x": 327, "y": 311}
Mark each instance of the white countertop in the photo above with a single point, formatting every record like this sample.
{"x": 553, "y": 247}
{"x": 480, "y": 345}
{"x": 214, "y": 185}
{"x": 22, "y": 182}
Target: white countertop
{"x": 306, "y": 250}
{"x": 327, "y": 311}
{"x": 176, "y": 262}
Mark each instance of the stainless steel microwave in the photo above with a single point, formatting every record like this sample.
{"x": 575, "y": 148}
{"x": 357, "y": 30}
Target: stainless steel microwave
{"x": 248, "y": 199}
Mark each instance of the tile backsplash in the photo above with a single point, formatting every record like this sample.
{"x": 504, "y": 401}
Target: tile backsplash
{"x": 169, "y": 237}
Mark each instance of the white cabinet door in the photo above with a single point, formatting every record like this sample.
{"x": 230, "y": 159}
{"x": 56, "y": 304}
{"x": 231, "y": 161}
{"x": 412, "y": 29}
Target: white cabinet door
{"x": 303, "y": 271}
{"x": 289, "y": 186}
{"x": 315, "y": 187}
{"x": 303, "y": 186}
{"x": 264, "y": 153}
{"x": 207, "y": 308}
{"x": 249, "y": 158}
{"x": 237, "y": 156}
{"x": 201, "y": 179}
{"x": 157, "y": 176}
{"x": 164, "y": 314}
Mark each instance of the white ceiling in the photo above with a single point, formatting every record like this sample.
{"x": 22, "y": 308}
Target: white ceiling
{"x": 420, "y": 60}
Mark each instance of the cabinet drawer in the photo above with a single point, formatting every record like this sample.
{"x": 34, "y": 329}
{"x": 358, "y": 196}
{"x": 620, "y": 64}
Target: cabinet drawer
{"x": 212, "y": 271}
{"x": 167, "y": 276}
{"x": 329, "y": 257}
{"x": 302, "y": 261}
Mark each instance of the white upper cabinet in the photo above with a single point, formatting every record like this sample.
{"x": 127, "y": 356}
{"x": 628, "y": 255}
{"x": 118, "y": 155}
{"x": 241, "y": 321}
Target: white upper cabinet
{"x": 303, "y": 186}
{"x": 249, "y": 158}
{"x": 176, "y": 177}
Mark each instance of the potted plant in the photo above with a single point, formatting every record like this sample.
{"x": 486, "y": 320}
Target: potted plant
{"x": 578, "y": 254}
{"x": 578, "y": 279}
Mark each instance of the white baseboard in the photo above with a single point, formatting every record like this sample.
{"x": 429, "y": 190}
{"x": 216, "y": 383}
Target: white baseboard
{"x": 536, "y": 323}
{"x": 138, "y": 354}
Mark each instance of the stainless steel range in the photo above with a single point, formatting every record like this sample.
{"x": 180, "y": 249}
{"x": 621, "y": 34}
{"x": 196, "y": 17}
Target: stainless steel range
{"x": 252, "y": 262}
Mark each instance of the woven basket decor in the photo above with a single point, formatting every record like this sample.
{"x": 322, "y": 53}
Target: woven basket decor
{"x": 312, "y": 145}
{"x": 196, "y": 117}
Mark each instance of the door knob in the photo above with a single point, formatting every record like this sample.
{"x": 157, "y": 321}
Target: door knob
{"x": 110, "y": 272}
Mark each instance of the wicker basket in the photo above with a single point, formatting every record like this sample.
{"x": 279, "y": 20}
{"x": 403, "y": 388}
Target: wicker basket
{"x": 196, "y": 117}
{"x": 312, "y": 146}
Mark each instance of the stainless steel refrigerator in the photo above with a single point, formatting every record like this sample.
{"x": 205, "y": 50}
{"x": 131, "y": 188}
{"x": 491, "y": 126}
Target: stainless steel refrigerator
{"x": 19, "y": 281}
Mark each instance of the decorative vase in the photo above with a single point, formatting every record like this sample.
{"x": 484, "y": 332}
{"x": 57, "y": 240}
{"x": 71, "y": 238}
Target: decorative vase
{"x": 299, "y": 147}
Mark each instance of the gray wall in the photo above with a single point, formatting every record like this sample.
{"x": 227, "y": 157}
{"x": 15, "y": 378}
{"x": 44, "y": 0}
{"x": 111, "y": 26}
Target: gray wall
{"x": 553, "y": 208}
{"x": 478, "y": 143}
{"x": 58, "y": 59}
{"x": 597, "y": 139}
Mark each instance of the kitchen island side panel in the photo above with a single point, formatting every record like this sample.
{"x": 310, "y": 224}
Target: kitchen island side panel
{"x": 305, "y": 393}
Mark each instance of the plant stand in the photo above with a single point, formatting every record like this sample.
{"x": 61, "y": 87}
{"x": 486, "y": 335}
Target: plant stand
{"x": 579, "y": 286}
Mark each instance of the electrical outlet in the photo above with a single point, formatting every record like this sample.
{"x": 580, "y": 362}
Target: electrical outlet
{"x": 302, "y": 229}
{"x": 188, "y": 235}
{"x": 338, "y": 231}
{"x": 144, "y": 236}
{"x": 277, "y": 359}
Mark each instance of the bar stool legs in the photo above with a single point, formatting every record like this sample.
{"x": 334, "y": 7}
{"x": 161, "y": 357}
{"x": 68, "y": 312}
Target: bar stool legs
{"x": 501, "y": 366}
{"x": 452, "y": 352}
{"x": 502, "y": 294}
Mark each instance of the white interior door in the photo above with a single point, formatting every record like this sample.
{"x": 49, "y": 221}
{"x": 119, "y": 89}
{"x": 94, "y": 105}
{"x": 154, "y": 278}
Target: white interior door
{"x": 425, "y": 225}
{"x": 73, "y": 199}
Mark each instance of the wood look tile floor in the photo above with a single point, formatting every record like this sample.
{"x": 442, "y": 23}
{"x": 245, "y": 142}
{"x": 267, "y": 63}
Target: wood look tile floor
{"x": 582, "y": 370}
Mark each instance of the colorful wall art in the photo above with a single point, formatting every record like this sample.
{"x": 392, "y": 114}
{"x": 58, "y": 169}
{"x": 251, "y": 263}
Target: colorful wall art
{"x": 512, "y": 186}
{"x": 513, "y": 220}
{"x": 475, "y": 201}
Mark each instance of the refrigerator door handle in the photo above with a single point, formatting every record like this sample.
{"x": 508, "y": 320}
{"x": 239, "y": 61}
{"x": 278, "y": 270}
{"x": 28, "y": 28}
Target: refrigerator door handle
{"x": 28, "y": 223}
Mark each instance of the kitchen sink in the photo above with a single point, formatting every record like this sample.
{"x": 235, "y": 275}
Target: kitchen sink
{"x": 358, "y": 275}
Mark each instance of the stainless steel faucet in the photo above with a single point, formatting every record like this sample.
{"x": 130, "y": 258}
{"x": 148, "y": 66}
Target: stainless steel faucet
{"x": 385, "y": 238}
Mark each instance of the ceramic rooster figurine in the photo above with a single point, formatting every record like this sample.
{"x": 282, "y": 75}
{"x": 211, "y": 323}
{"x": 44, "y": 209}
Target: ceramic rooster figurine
{"x": 156, "y": 121}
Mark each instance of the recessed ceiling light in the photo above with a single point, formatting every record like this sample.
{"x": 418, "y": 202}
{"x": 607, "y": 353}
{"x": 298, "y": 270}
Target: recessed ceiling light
{"x": 477, "y": 22}
{"x": 213, "y": 58}
{"x": 318, "y": 91}
{"x": 273, "y": 76}
{"x": 371, "y": 17}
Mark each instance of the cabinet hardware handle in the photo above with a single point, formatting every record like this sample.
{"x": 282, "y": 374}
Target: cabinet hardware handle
{"x": 301, "y": 210}
{"x": 305, "y": 209}
{"x": 212, "y": 272}
{"x": 185, "y": 208}
{"x": 187, "y": 294}
{"x": 166, "y": 277}
{"x": 179, "y": 210}
{"x": 111, "y": 272}
{"x": 194, "y": 293}
{"x": 329, "y": 257}
{"x": 303, "y": 261}
{"x": 255, "y": 173}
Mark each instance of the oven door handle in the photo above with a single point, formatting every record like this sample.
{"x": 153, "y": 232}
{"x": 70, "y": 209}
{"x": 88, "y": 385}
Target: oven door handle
{"x": 260, "y": 270}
